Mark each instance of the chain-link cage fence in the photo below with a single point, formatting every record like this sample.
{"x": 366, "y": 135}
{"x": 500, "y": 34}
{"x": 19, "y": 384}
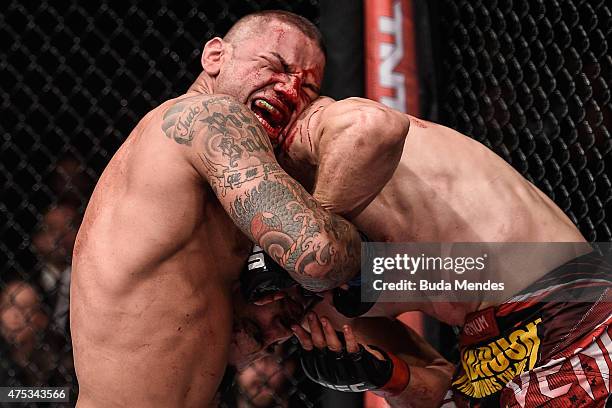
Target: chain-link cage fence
{"x": 531, "y": 80}
{"x": 76, "y": 78}
{"x": 528, "y": 78}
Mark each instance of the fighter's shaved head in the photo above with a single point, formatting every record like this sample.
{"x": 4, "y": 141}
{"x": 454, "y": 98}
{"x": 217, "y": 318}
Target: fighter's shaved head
{"x": 245, "y": 27}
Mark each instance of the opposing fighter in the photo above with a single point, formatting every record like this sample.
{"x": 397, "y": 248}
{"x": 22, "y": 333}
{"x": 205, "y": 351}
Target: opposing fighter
{"x": 450, "y": 188}
{"x": 172, "y": 218}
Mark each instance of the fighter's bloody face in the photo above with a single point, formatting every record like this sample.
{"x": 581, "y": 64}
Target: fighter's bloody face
{"x": 256, "y": 328}
{"x": 276, "y": 73}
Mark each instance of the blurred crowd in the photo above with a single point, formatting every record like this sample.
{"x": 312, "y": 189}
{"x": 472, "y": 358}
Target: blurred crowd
{"x": 35, "y": 344}
{"x": 35, "y": 348}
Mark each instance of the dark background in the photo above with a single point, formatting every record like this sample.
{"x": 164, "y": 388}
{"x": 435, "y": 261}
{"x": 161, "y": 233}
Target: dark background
{"x": 530, "y": 79}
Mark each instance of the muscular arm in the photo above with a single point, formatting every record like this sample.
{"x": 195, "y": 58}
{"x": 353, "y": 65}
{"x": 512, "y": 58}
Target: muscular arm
{"x": 360, "y": 145}
{"x": 430, "y": 373}
{"x": 227, "y": 146}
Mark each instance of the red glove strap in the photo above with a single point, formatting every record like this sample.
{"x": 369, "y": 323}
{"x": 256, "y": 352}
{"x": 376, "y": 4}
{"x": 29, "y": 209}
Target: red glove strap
{"x": 399, "y": 378}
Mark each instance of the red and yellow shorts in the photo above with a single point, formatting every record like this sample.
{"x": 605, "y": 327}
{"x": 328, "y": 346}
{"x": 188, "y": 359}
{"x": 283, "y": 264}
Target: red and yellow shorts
{"x": 537, "y": 351}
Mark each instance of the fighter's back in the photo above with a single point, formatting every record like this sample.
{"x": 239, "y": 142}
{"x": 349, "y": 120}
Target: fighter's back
{"x": 450, "y": 188}
{"x": 402, "y": 179}
{"x": 154, "y": 262}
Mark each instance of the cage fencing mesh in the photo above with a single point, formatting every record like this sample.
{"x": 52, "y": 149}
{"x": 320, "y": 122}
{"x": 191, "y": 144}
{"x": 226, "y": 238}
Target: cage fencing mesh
{"x": 531, "y": 80}
{"x": 528, "y": 78}
{"x": 76, "y": 78}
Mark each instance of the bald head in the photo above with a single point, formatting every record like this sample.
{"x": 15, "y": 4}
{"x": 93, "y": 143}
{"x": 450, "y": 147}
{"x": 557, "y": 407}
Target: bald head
{"x": 251, "y": 24}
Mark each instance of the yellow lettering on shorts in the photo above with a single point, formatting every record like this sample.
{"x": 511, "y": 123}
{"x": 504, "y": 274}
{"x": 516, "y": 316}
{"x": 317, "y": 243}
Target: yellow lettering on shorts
{"x": 487, "y": 368}
{"x": 500, "y": 362}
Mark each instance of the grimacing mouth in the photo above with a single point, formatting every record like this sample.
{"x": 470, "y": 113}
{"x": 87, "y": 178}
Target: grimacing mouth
{"x": 273, "y": 118}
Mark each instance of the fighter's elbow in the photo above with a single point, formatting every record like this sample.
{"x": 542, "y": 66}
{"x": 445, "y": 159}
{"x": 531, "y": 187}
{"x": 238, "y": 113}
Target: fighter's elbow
{"x": 381, "y": 126}
{"x": 332, "y": 264}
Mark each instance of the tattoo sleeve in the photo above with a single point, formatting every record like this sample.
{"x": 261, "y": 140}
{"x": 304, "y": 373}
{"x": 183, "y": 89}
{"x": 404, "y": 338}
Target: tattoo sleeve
{"x": 233, "y": 153}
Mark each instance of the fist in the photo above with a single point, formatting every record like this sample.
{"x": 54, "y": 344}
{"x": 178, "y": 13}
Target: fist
{"x": 340, "y": 362}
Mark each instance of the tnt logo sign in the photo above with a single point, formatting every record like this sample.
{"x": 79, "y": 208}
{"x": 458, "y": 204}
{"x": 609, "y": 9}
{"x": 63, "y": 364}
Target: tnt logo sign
{"x": 390, "y": 59}
{"x": 391, "y": 55}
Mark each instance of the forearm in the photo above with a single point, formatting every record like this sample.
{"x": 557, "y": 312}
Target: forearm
{"x": 426, "y": 388}
{"x": 320, "y": 250}
{"x": 430, "y": 373}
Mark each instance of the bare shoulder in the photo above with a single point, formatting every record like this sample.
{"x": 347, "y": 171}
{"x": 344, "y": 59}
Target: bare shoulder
{"x": 369, "y": 115}
{"x": 345, "y": 109}
{"x": 184, "y": 117}
{"x": 354, "y": 103}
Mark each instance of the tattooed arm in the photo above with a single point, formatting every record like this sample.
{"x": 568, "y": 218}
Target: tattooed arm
{"x": 230, "y": 149}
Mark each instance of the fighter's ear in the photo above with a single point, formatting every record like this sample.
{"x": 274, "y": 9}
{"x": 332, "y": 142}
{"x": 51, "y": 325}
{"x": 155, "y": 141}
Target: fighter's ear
{"x": 212, "y": 56}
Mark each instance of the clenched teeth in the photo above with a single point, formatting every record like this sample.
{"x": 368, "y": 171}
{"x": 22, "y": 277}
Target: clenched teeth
{"x": 260, "y": 103}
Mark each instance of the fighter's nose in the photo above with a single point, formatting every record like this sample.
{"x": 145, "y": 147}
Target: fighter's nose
{"x": 289, "y": 88}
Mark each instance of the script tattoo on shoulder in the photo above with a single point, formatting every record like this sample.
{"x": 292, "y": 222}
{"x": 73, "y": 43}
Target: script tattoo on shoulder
{"x": 235, "y": 148}
{"x": 231, "y": 135}
{"x": 178, "y": 122}
{"x": 272, "y": 207}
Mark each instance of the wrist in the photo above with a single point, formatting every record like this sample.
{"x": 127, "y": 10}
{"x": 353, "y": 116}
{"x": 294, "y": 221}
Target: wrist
{"x": 400, "y": 377}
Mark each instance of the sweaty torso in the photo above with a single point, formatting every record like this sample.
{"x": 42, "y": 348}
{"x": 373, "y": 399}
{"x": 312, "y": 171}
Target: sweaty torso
{"x": 153, "y": 267}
